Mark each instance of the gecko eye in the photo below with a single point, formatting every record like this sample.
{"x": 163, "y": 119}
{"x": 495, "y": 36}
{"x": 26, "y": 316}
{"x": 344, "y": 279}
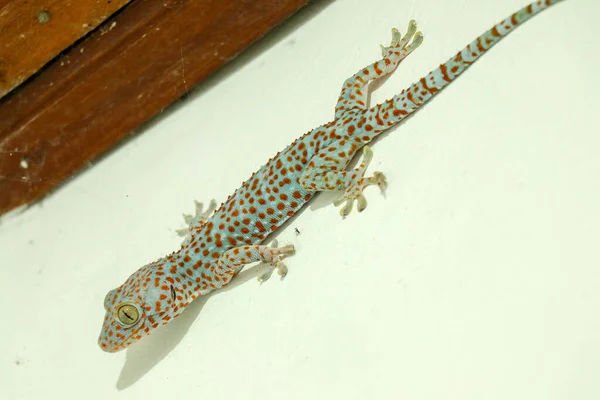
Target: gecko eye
{"x": 128, "y": 314}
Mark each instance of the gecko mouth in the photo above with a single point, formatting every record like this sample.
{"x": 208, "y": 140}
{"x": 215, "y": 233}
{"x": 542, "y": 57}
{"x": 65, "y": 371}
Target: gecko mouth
{"x": 113, "y": 343}
{"x": 124, "y": 326}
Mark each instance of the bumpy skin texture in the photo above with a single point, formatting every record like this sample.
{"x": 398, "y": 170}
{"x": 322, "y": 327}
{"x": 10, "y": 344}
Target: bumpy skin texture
{"x": 217, "y": 246}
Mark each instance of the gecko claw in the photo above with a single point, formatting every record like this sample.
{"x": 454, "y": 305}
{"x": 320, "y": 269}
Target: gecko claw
{"x": 188, "y": 218}
{"x": 380, "y": 180}
{"x": 358, "y": 183}
{"x": 277, "y": 254}
{"x": 406, "y": 44}
{"x": 347, "y": 209}
{"x": 197, "y": 220}
{"x": 278, "y": 265}
{"x": 199, "y": 215}
{"x": 361, "y": 203}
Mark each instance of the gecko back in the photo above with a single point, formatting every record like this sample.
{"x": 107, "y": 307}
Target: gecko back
{"x": 218, "y": 244}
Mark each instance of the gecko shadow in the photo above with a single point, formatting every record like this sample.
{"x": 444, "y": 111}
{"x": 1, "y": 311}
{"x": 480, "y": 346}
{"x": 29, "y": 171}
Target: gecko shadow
{"x": 148, "y": 352}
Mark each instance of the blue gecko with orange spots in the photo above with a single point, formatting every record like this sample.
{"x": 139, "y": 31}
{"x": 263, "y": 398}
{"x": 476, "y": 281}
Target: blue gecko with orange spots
{"x": 220, "y": 241}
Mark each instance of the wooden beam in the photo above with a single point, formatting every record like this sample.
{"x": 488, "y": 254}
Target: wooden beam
{"x": 129, "y": 69}
{"x": 33, "y": 32}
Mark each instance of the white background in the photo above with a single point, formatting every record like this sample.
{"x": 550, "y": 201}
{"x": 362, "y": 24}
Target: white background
{"x": 476, "y": 276}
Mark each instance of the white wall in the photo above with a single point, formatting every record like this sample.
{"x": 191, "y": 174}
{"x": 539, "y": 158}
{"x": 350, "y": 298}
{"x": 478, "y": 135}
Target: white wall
{"x": 476, "y": 276}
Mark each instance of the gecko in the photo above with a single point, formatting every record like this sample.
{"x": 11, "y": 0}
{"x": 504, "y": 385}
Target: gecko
{"x": 219, "y": 242}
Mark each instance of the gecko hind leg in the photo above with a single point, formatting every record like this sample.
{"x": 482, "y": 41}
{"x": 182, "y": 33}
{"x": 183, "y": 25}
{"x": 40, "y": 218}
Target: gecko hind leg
{"x": 399, "y": 47}
{"x": 353, "y": 95}
{"x": 356, "y": 182}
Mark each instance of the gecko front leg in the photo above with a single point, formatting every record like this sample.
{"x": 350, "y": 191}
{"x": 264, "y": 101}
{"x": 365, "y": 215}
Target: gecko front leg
{"x": 233, "y": 260}
{"x": 197, "y": 220}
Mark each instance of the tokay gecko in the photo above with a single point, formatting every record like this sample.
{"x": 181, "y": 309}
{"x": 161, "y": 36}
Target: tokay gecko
{"x": 220, "y": 241}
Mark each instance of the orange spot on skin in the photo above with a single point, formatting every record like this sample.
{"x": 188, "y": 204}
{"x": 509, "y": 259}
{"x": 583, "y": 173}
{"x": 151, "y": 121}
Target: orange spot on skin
{"x": 378, "y": 71}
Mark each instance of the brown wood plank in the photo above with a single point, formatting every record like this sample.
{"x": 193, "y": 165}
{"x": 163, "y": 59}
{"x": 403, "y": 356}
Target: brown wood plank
{"x": 32, "y": 32}
{"x": 138, "y": 62}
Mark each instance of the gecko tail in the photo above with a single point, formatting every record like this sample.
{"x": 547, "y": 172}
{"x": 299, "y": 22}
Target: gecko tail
{"x": 410, "y": 99}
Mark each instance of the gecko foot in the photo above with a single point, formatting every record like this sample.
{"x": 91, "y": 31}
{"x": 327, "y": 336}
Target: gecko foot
{"x": 199, "y": 218}
{"x": 403, "y": 45}
{"x": 275, "y": 254}
{"x": 357, "y": 183}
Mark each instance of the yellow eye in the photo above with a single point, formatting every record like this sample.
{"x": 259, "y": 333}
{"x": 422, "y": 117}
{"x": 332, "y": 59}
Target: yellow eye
{"x": 128, "y": 314}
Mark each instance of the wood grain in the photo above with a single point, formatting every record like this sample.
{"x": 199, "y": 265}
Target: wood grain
{"x": 32, "y": 32}
{"x": 137, "y": 63}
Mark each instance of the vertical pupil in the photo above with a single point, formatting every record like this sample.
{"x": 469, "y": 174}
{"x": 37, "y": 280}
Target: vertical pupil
{"x": 128, "y": 314}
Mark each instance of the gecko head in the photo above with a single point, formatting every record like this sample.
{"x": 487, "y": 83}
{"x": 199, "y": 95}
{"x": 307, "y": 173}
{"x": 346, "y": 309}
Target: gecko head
{"x": 141, "y": 304}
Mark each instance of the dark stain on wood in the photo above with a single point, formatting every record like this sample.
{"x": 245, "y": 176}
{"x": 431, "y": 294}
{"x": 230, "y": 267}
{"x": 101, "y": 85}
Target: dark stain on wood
{"x": 33, "y": 32}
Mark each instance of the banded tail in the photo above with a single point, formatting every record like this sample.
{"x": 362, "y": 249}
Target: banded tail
{"x": 420, "y": 92}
